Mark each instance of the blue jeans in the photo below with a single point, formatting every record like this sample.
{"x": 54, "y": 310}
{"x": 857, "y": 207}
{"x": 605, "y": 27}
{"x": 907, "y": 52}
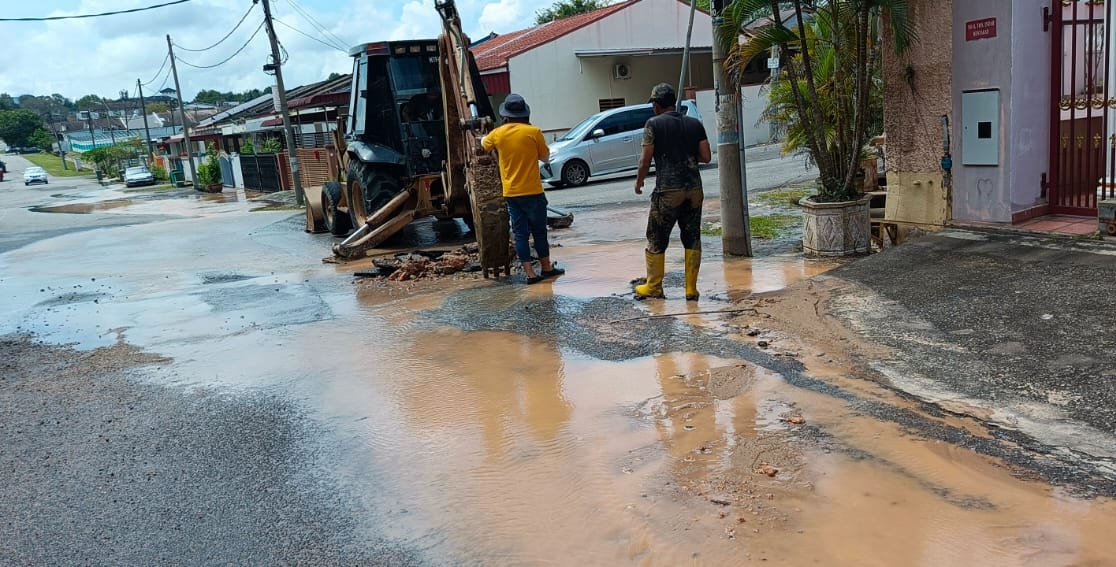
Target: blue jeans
{"x": 528, "y": 218}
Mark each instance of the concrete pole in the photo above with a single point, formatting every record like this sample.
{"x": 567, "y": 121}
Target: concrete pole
{"x": 735, "y": 235}
{"x": 146, "y": 130}
{"x": 185, "y": 130}
{"x": 292, "y": 151}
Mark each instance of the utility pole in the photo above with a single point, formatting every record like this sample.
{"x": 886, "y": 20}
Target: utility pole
{"x": 277, "y": 66}
{"x": 185, "y": 130}
{"x": 92, "y": 136}
{"x": 146, "y": 130}
{"x": 735, "y": 232}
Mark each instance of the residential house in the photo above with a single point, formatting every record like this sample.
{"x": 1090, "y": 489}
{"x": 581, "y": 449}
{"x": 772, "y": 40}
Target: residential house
{"x": 570, "y": 68}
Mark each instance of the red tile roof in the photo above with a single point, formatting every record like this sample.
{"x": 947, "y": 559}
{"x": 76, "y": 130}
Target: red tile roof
{"x": 494, "y": 53}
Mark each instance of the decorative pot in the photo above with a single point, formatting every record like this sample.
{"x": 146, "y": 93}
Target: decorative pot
{"x": 836, "y": 229}
{"x": 214, "y": 188}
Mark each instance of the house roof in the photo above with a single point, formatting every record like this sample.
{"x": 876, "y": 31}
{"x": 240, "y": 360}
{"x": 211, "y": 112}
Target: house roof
{"x": 494, "y": 53}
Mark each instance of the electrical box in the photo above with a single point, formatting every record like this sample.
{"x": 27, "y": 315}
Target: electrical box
{"x": 980, "y": 127}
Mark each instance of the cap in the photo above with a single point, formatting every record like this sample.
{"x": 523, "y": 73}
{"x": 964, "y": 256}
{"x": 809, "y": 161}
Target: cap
{"x": 515, "y": 107}
{"x": 663, "y": 93}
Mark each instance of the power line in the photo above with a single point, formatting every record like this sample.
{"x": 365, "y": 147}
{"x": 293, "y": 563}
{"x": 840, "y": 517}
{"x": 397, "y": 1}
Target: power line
{"x": 227, "y": 59}
{"x": 157, "y": 73}
{"x": 329, "y": 45}
{"x": 102, "y": 14}
{"x": 325, "y": 32}
{"x": 242, "y": 18}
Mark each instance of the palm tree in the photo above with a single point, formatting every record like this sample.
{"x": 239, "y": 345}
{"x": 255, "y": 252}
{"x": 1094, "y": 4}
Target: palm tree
{"x": 830, "y": 91}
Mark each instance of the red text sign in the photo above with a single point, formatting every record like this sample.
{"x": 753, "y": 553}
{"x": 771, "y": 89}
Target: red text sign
{"x": 980, "y": 29}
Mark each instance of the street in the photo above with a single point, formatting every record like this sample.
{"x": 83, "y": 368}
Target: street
{"x": 183, "y": 380}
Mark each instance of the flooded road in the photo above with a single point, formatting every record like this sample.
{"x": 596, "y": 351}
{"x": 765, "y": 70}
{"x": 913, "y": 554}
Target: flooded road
{"x": 484, "y": 422}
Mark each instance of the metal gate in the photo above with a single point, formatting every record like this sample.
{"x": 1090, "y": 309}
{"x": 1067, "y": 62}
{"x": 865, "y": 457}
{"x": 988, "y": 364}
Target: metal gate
{"x": 228, "y": 179}
{"x": 1082, "y": 136}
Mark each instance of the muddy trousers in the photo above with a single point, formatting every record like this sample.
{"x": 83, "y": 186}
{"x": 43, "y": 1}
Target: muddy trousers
{"x": 528, "y": 219}
{"x": 681, "y": 207}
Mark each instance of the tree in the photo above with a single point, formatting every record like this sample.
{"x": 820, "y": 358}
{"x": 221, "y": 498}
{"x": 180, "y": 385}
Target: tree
{"x": 157, "y": 107}
{"x": 89, "y": 101}
{"x": 41, "y": 139}
{"x": 16, "y": 126}
{"x": 567, "y": 8}
{"x": 335, "y": 75}
{"x": 825, "y": 91}
{"x": 7, "y": 102}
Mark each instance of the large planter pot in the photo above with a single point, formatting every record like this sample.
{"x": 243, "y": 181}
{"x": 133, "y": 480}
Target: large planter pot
{"x": 836, "y": 229}
{"x": 213, "y": 188}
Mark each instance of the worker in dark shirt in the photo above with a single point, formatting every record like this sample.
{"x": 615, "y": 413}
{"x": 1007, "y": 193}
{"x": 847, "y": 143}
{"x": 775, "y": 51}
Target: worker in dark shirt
{"x": 678, "y": 144}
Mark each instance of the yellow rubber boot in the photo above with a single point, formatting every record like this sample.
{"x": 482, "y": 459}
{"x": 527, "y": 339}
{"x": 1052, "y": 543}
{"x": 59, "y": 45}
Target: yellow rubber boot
{"x": 693, "y": 263}
{"x": 656, "y": 265}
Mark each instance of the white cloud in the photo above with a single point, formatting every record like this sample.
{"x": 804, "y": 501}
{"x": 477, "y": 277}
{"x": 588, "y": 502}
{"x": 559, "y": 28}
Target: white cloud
{"x": 500, "y": 15}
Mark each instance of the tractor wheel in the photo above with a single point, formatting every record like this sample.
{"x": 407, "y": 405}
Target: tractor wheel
{"x": 370, "y": 188}
{"x": 336, "y": 222}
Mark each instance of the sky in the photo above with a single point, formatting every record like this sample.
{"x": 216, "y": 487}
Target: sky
{"x": 105, "y": 56}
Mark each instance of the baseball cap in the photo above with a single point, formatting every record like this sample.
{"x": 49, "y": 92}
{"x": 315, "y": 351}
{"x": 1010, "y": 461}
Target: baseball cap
{"x": 515, "y": 107}
{"x": 663, "y": 93}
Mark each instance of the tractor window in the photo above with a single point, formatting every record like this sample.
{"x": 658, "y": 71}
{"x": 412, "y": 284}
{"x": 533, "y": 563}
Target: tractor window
{"x": 357, "y": 113}
{"x": 414, "y": 75}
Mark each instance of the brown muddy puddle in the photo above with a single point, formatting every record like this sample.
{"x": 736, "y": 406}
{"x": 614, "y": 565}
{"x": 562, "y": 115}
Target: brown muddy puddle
{"x": 524, "y": 454}
{"x": 178, "y": 203}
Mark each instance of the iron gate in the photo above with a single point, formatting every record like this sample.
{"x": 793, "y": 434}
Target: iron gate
{"x": 1083, "y": 139}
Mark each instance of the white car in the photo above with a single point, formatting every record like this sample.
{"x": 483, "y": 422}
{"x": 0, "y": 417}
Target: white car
{"x": 34, "y": 174}
{"x": 606, "y": 142}
{"x": 139, "y": 175}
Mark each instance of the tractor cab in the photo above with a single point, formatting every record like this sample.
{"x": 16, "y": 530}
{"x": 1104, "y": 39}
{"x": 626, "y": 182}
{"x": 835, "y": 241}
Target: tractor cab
{"x": 396, "y": 105}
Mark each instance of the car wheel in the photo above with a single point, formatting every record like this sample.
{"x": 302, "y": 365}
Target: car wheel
{"x": 575, "y": 173}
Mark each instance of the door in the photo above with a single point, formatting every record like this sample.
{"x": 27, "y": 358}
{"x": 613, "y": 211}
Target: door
{"x": 1083, "y": 141}
{"x": 613, "y": 151}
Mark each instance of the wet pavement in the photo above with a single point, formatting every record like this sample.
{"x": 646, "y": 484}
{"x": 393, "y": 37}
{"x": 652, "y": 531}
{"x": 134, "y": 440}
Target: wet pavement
{"x": 216, "y": 382}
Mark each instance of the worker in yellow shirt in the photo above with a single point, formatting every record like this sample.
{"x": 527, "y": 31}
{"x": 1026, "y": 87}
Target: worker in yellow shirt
{"x": 520, "y": 147}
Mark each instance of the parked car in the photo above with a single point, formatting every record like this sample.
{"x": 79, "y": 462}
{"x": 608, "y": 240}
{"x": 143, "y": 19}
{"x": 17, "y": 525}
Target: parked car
{"x": 34, "y": 174}
{"x": 606, "y": 142}
{"x": 135, "y": 176}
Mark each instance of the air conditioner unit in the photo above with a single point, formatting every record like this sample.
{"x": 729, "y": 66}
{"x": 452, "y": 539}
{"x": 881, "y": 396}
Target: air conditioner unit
{"x": 622, "y": 72}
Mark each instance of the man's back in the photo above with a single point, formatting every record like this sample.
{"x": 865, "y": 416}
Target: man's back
{"x": 520, "y": 146}
{"x": 676, "y": 139}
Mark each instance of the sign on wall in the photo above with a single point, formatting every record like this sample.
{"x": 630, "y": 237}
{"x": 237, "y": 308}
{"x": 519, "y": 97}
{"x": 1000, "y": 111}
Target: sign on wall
{"x": 980, "y": 29}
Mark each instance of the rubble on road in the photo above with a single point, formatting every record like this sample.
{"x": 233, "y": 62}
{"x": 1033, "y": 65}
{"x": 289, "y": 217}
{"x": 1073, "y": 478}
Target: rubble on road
{"x": 424, "y": 264}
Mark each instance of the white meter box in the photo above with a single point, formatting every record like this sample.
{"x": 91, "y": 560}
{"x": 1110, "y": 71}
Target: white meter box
{"x": 980, "y": 127}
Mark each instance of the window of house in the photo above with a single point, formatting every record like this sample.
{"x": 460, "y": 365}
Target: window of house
{"x": 610, "y": 103}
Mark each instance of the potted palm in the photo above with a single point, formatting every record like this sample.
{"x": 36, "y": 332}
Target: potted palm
{"x": 827, "y": 97}
{"x": 209, "y": 172}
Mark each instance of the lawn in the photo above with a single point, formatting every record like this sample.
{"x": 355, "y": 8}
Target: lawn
{"x": 53, "y": 166}
{"x": 784, "y": 197}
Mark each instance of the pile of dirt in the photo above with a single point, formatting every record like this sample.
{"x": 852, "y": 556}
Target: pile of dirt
{"x": 424, "y": 264}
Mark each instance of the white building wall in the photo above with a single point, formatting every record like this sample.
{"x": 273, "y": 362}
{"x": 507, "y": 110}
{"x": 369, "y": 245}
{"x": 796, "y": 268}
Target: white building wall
{"x": 983, "y": 192}
{"x": 562, "y": 88}
{"x": 1029, "y": 140}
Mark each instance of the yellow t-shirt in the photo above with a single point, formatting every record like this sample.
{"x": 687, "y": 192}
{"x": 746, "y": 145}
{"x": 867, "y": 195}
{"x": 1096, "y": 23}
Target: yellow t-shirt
{"x": 520, "y": 147}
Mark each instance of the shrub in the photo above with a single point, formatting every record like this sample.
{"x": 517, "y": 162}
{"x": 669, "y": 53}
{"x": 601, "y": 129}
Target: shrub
{"x": 209, "y": 171}
{"x": 247, "y": 148}
{"x": 160, "y": 173}
{"x": 271, "y": 146}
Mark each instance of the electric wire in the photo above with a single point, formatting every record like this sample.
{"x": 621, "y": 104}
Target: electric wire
{"x": 160, "y": 71}
{"x": 292, "y": 28}
{"x": 236, "y": 27}
{"x": 102, "y": 14}
{"x": 227, "y": 59}
{"x": 321, "y": 29}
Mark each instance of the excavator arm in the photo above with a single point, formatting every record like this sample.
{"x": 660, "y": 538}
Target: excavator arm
{"x": 470, "y": 171}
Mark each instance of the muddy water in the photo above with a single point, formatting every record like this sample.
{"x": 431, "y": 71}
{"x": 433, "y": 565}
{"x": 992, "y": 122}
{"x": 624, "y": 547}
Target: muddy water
{"x": 520, "y": 453}
{"x": 507, "y": 449}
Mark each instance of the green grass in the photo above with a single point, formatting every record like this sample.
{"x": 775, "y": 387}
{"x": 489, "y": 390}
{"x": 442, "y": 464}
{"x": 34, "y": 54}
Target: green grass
{"x": 709, "y": 230}
{"x": 769, "y": 227}
{"x": 785, "y": 197}
{"x": 53, "y": 166}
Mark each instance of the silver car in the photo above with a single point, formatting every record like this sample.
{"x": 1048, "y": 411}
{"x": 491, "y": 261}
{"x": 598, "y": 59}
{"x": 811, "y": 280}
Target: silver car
{"x": 139, "y": 175}
{"x": 34, "y": 174}
{"x": 606, "y": 142}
